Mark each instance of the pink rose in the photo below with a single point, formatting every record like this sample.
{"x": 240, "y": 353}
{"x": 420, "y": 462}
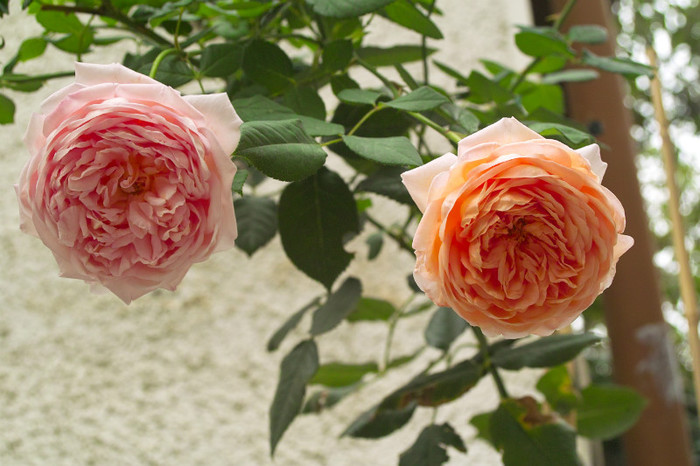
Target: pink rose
{"x": 128, "y": 182}
{"x": 518, "y": 236}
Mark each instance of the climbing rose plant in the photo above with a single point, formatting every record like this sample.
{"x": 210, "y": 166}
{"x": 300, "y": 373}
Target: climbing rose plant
{"x": 129, "y": 182}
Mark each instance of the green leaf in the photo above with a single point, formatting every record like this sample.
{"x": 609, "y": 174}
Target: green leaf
{"x": 377, "y": 423}
{"x": 375, "y": 241}
{"x": 617, "y": 65}
{"x": 346, "y": 8}
{"x": 257, "y": 222}
{"x": 449, "y": 71}
{"x": 556, "y": 386}
{"x": 482, "y": 424}
{"x": 436, "y": 388}
{"x": 55, "y": 21}
{"x": 443, "y": 328}
{"x": 377, "y": 56}
{"x": 544, "y": 352}
{"x": 280, "y": 149}
{"x": 359, "y": 96}
{"x": 315, "y": 215}
{"x": 483, "y": 90}
{"x": 567, "y": 134}
{"x": 372, "y": 309}
{"x": 387, "y": 182}
{"x": 406, "y": 76}
{"x": 396, "y": 150}
{"x": 75, "y": 43}
{"x": 297, "y": 368}
{"x": 340, "y": 82}
{"x": 337, "y": 307}
{"x": 4, "y": 8}
{"x": 31, "y": 48}
{"x": 336, "y": 374}
{"x": 259, "y": 108}
{"x": 540, "y": 42}
{"x": 422, "y": 99}
{"x": 7, "y": 110}
{"x": 289, "y": 325}
{"x": 588, "y": 34}
{"x": 429, "y": 447}
{"x": 607, "y": 411}
{"x": 336, "y": 55}
{"x": 524, "y": 436}
{"x": 327, "y": 398}
{"x": 305, "y": 101}
{"x": 407, "y": 15}
{"x": 267, "y": 64}
{"x": 546, "y": 96}
{"x": 172, "y": 71}
{"x": 239, "y": 181}
{"x": 465, "y": 120}
{"x": 221, "y": 60}
{"x": 402, "y": 360}
{"x": 574, "y": 75}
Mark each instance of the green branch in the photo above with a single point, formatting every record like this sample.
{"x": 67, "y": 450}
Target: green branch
{"x": 484, "y": 348}
{"x": 108, "y": 11}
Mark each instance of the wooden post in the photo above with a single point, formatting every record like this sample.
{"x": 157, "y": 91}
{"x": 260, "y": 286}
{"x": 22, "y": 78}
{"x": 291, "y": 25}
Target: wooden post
{"x": 685, "y": 276}
{"x": 642, "y": 355}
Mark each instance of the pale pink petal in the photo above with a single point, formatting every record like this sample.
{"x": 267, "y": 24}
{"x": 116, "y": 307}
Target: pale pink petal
{"x": 89, "y": 74}
{"x": 419, "y": 179}
{"x": 221, "y": 118}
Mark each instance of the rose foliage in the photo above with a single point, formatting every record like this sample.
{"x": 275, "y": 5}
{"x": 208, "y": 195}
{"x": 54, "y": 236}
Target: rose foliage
{"x": 129, "y": 182}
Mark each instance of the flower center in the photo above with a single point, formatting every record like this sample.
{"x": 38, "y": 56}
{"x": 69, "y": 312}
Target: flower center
{"x": 517, "y": 231}
{"x": 135, "y": 178}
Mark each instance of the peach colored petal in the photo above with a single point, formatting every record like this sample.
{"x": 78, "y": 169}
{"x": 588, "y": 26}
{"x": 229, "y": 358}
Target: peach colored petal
{"x": 518, "y": 236}
{"x": 591, "y": 153}
{"x": 419, "y": 180}
{"x": 504, "y": 131}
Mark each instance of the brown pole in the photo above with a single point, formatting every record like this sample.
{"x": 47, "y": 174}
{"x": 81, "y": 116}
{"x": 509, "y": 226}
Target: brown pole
{"x": 642, "y": 355}
{"x": 685, "y": 274}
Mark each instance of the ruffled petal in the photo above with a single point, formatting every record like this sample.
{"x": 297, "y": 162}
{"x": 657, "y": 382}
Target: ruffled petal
{"x": 418, "y": 180}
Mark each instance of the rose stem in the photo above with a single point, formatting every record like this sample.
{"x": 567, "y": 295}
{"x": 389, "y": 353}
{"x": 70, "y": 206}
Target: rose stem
{"x": 484, "y": 348}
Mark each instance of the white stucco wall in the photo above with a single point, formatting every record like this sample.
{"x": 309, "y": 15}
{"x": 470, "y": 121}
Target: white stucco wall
{"x": 184, "y": 378}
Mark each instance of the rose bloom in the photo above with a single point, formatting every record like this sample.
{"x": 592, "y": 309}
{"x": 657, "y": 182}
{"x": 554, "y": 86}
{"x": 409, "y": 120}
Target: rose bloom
{"x": 128, "y": 182}
{"x": 518, "y": 236}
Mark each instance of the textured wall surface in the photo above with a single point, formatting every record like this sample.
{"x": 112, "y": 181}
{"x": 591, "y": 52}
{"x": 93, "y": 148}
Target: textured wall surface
{"x": 184, "y": 378}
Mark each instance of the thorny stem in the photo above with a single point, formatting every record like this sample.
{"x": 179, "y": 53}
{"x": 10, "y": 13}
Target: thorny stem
{"x": 393, "y": 320}
{"x": 108, "y": 11}
{"x": 484, "y": 348}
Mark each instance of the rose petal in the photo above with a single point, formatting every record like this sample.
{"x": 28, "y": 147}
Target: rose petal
{"x": 221, "y": 118}
{"x": 89, "y": 74}
{"x": 592, "y": 154}
{"x": 504, "y": 131}
{"x": 418, "y": 180}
